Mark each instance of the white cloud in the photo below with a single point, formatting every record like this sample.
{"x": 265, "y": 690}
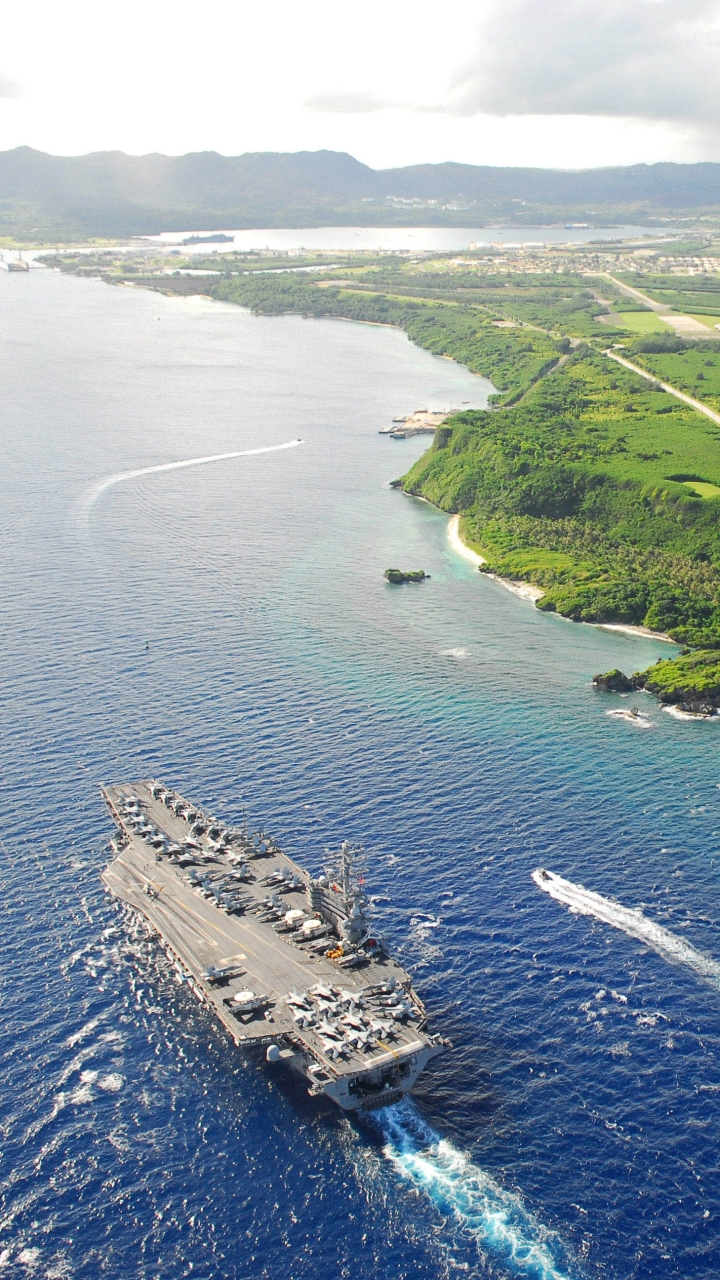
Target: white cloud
{"x": 9, "y": 88}
{"x": 642, "y": 59}
{"x": 348, "y": 102}
{"x": 549, "y": 82}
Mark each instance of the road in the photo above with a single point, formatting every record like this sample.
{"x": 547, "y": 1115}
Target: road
{"x": 685, "y": 326}
{"x": 673, "y": 391}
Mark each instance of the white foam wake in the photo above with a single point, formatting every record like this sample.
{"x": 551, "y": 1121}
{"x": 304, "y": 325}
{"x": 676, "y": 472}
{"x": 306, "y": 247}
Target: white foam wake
{"x": 630, "y": 920}
{"x": 498, "y": 1224}
{"x": 91, "y": 495}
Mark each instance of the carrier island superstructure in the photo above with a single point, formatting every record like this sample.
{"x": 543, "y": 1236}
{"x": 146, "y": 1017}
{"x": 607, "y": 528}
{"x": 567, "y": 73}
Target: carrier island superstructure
{"x": 286, "y": 961}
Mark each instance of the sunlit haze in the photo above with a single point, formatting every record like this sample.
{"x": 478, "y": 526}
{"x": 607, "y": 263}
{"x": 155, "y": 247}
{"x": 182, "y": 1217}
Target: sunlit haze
{"x": 504, "y": 82}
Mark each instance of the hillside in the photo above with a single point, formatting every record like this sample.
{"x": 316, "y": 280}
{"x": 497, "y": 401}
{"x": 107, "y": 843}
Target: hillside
{"x": 109, "y": 193}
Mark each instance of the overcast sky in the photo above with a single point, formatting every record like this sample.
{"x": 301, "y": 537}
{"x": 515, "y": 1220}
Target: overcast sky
{"x": 572, "y": 83}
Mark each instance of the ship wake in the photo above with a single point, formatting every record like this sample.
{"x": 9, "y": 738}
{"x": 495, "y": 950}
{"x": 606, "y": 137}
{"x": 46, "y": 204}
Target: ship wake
{"x": 493, "y": 1221}
{"x": 629, "y": 920}
{"x": 90, "y": 497}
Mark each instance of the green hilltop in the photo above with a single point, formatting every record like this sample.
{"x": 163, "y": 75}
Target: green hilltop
{"x": 570, "y": 490}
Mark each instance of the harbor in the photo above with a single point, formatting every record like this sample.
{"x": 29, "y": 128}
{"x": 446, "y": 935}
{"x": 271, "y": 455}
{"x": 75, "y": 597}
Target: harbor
{"x": 421, "y": 422}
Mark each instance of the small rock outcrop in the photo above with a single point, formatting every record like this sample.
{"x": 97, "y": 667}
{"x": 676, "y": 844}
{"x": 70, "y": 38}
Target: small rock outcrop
{"x": 397, "y": 576}
{"x": 613, "y": 682}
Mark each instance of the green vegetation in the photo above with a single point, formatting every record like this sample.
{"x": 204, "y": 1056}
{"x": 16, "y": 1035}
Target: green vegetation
{"x": 689, "y": 681}
{"x": 688, "y": 294}
{"x": 613, "y": 681}
{"x": 570, "y": 491}
{"x": 704, "y": 489}
{"x": 642, "y": 322}
{"x": 398, "y": 576}
{"x": 693, "y": 367}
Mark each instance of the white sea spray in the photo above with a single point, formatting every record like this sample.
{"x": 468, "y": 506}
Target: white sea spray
{"x": 91, "y": 495}
{"x": 629, "y": 920}
{"x": 496, "y": 1220}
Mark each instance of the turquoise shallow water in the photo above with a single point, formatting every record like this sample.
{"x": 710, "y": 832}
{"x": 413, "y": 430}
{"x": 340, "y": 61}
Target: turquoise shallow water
{"x": 228, "y": 629}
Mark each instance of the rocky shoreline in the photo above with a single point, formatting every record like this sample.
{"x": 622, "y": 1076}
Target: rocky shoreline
{"x": 690, "y": 683}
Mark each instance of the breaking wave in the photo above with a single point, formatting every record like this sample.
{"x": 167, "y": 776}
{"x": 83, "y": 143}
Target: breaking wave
{"x": 494, "y": 1220}
{"x": 92, "y": 494}
{"x": 630, "y": 920}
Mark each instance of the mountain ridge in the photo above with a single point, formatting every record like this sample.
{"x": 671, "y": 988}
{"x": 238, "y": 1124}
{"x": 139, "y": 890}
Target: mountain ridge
{"x": 112, "y": 193}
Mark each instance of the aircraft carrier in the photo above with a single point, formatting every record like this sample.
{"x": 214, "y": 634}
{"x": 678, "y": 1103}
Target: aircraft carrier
{"x": 286, "y": 961}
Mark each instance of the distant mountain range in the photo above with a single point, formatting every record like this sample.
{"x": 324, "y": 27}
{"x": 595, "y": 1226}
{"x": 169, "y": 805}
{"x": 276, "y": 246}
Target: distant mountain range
{"x": 109, "y": 193}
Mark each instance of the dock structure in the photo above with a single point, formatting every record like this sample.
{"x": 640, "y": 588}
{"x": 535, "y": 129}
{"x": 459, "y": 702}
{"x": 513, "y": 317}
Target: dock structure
{"x": 421, "y": 422}
{"x": 284, "y": 961}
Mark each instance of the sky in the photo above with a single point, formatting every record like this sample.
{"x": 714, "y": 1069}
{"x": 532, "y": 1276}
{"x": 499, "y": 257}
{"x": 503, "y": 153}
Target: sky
{"x": 553, "y": 83}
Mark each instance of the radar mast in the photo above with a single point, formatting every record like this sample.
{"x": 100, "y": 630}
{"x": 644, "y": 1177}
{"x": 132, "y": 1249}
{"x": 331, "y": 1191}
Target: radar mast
{"x": 346, "y": 873}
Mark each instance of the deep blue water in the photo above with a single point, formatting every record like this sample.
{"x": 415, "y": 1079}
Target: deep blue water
{"x": 227, "y": 628}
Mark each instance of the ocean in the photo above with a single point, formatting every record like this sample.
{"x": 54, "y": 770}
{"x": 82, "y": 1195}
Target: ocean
{"x": 226, "y": 627}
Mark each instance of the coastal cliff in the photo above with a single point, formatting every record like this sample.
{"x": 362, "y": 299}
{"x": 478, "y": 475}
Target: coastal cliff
{"x": 566, "y": 491}
{"x": 690, "y": 682}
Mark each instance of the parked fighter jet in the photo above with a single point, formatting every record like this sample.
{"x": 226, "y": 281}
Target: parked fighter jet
{"x": 300, "y": 1002}
{"x": 220, "y": 973}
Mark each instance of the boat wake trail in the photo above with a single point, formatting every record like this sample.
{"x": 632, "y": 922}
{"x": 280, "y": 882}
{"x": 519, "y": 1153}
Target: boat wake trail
{"x": 90, "y": 497}
{"x": 630, "y": 920}
{"x": 493, "y": 1221}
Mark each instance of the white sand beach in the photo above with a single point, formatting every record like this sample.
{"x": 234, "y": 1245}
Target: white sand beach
{"x": 527, "y": 591}
{"x": 458, "y": 545}
{"x": 634, "y": 631}
{"x": 524, "y": 589}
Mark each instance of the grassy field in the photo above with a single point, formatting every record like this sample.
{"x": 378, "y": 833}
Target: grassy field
{"x": 702, "y": 488}
{"x": 642, "y": 322}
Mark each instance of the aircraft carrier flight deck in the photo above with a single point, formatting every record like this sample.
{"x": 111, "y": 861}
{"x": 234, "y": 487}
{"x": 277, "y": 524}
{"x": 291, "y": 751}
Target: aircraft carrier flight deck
{"x": 285, "y": 961}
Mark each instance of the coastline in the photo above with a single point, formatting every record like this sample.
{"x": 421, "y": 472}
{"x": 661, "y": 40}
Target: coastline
{"x": 528, "y": 591}
{"x": 457, "y": 544}
{"x": 634, "y": 631}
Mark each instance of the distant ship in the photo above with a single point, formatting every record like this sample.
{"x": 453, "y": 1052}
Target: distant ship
{"x": 14, "y": 264}
{"x": 284, "y": 960}
{"x": 220, "y": 238}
